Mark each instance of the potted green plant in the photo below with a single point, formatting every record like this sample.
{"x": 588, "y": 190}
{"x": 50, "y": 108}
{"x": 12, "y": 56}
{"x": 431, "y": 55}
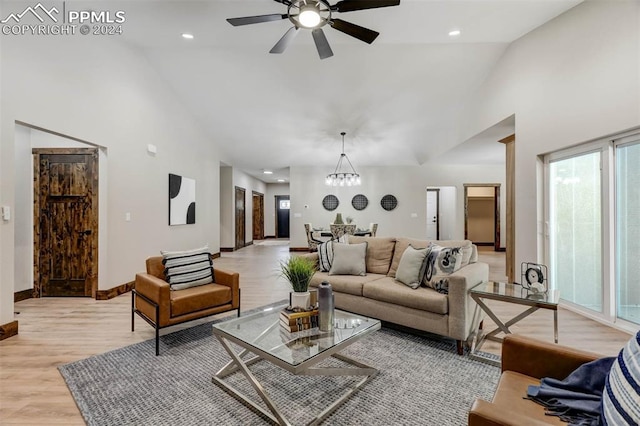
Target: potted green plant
{"x": 298, "y": 271}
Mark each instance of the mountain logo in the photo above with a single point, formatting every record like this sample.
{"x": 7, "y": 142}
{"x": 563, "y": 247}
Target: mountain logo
{"x": 39, "y": 11}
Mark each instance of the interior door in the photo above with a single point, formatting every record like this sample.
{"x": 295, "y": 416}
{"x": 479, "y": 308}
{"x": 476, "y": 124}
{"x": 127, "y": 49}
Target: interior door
{"x": 282, "y": 216}
{"x": 66, "y": 228}
{"x": 433, "y": 214}
{"x": 258, "y": 216}
{"x": 240, "y": 218}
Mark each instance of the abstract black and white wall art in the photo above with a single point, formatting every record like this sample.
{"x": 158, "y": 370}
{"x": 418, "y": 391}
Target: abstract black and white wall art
{"x": 182, "y": 200}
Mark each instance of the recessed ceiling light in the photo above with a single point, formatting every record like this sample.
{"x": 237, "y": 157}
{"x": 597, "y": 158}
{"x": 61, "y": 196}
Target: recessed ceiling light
{"x": 454, "y": 33}
{"x": 280, "y": 180}
{"x": 267, "y": 172}
{"x": 187, "y": 36}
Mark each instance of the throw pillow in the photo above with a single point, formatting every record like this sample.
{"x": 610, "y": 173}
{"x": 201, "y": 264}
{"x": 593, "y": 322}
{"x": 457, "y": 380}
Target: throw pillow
{"x": 325, "y": 253}
{"x": 349, "y": 259}
{"x": 442, "y": 262}
{"x": 621, "y": 396}
{"x": 189, "y": 268}
{"x": 412, "y": 266}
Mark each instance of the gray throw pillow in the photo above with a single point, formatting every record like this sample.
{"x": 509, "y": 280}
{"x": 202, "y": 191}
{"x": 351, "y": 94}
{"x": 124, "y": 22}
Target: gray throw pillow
{"x": 412, "y": 266}
{"x": 349, "y": 259}
{"x": 325, "y": 253}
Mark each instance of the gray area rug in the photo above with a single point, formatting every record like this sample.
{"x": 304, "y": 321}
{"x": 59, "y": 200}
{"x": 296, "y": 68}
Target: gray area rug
{"x": 421, "y": 382}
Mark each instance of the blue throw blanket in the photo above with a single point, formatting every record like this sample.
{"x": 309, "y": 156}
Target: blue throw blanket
{"x": 577, "y": 399}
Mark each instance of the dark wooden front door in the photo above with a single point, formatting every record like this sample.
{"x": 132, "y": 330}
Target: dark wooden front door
{"x": 258, "y": 216}
{"x": 66, "y": 224}
{"x": 240, "y": 218}
{"x": 282, "y": 216}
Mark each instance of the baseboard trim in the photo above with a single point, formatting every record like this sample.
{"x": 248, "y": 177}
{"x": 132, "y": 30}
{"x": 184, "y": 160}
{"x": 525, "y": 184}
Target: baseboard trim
{"x": 8, "y": 330}
{"x": 299, "y": 249}
{"x": 484, "y": 244}
{"x": 226, "y": 249}
{"x": 215, "y": 255}
{"x": 114, "y": 292}
{"x": 266, "y": 237}
{"x": 19, "y": 296}
{"x": 250, "y": 243}
{"x": 502, "y": 249}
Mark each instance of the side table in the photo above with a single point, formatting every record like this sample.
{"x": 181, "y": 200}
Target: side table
{"x": 510, "y": 293}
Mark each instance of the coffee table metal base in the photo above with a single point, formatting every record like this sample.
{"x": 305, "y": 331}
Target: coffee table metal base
{"x": 238, "y": 363}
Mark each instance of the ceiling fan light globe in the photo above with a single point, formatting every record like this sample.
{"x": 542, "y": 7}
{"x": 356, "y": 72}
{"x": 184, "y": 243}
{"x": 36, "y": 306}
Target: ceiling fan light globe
{"x": 309, "y": 17}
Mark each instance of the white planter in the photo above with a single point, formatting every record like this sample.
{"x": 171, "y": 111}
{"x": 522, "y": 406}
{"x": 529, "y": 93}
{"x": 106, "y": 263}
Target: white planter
{"x": 300, "y": 299}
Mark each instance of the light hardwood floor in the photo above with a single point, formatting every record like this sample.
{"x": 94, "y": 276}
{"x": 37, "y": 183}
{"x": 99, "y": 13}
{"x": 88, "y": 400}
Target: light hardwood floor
{"x": 55, "y": 331}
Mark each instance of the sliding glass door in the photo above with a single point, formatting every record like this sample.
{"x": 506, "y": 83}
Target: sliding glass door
{"x": 575, "y": 229}
{"x": 627, "y": 178}
{"x": 593, "y": 218}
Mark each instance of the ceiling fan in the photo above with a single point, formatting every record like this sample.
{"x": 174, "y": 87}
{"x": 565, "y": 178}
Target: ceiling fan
{"x": 315, "y": 14}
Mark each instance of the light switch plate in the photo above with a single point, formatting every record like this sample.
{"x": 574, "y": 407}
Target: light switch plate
{"x": 6, "y": 213}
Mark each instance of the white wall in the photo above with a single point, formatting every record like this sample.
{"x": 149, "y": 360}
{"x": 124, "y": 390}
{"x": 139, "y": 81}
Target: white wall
{"x": 574, "y": 79}
{"x": 98, "y": 90}
{"x": 273, "y": 189}
{"x": 448, "y": 212}
{"x": 408, "y": 184}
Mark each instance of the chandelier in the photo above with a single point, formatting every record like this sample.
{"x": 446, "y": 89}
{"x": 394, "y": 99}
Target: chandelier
{"x": 344, "y": 174}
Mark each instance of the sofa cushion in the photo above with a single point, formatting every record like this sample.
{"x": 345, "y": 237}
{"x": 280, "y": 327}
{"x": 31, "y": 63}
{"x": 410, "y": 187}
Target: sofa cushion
{"x": 350, "y": 284}
{"x": 442, "y": 262}
{"x": 349, "y": 259}
{"x": 621, "y": 396}
{"x": 189, "y": 268}
{"x": 379, "y": 252}
{"x": 194, "y": 299}
{"x": 389, "y": 290}
{"x": 401, "y": 246}
{"x": 412, "y": 266}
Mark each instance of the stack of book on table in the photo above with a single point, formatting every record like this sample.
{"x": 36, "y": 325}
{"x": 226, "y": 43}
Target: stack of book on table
{"x": 292, "y": 321}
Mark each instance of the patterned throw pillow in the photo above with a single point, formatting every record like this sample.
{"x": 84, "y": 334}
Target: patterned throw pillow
{"x": 621, "y": 396}
{"x": 442, "y": 262}
{"x": 412, "y": 266}
{"x": 325, "y": 253}
{"x": 190, "y": 268}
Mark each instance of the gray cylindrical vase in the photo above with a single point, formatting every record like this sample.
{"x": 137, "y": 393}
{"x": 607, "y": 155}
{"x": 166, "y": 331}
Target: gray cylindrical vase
{"x": 326, "y": 307}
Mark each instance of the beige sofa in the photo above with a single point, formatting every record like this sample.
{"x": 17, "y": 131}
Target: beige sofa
{"x": 379, "y": 295}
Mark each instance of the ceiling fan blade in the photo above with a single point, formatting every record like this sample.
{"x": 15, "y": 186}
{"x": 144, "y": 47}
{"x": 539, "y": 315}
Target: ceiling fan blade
{"x": 351, "y": 5}
{"x": 285, "y": 41}
{"x": 286, "y": 2}
{"x": 256, "y": 19}
{"x": 361, "y": 33}
{"x": 324, "y": 50}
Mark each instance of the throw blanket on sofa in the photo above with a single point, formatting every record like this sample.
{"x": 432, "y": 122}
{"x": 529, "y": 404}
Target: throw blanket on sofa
{"x": 576, "y": 399}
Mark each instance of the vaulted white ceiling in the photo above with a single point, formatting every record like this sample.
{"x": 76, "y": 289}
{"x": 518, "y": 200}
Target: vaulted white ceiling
{"x": 399, "y": 99}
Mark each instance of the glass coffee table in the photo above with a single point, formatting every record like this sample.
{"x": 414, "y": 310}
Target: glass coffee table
{"x": 298, "y": 353}
{"x": 511, "y": 293}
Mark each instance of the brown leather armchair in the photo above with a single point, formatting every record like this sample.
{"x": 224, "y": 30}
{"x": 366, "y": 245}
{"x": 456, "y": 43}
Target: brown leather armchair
{"x": 161, "y": 307}
{"x": 524, "y": 362}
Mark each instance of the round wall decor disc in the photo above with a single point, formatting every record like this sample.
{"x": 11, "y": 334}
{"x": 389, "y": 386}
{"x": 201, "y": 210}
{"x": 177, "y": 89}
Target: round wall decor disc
{"x": 330, "y": 202}
{"x": 389, "y": 202}
{"x": 359, "y": 202}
